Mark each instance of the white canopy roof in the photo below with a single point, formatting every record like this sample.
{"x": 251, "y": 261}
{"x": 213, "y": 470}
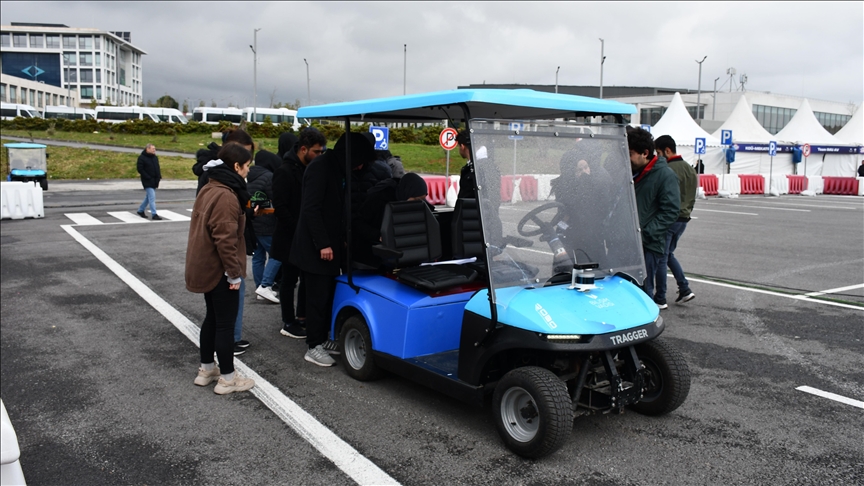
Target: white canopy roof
{"x": 853, "y": 131}
{"x": 805, "y": 128}
{"x": 745, "y": 127}
{"x": 678, "y": 124}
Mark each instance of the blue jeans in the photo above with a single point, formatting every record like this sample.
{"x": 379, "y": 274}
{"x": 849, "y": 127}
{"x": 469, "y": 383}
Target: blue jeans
{"x": 264, "y": 274}
{"x": 149, "y": 199}
{"x": 238, "y": 324}
{"x": 652, "y": 263}
{"x": 673, "y": 234}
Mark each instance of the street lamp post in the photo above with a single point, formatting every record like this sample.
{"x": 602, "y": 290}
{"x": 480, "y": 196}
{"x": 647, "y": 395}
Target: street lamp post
{"x": 405, "y": 70}
{"x": 255, "y": 75}
{"x": 699, "y": 89}
{"x": 308, "y": 91}
{"x": 714, "y": 105}
{"x": 556, "y": 78}
{"x": 602, "y": 60}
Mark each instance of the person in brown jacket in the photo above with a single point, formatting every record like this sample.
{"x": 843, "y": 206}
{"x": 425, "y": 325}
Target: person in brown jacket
{"x": 216, "y": 263}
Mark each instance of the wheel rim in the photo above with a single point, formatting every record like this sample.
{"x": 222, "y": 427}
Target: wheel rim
{"x": 519, "y": 414}
{"x": 355, "y": 349}
{"x": 653, "y": 380}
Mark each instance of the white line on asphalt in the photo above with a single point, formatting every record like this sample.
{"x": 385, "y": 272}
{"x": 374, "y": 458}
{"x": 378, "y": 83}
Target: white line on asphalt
{"x": 728, "y": 212}
{"x": 83, "y": 219}
{"x": 833, "y": 291}
{"x": 760, "y": 207}
{"x": 345, "y": 457}
{"x": 831, "y": 396}
{"x": 128, "y": 217}
{"x": 776, "y": 294}
{"x": 805, "y": 205}
{"x": 172, "y": 216}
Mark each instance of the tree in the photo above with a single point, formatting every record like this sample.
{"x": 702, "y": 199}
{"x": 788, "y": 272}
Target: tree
{"x": 201, "y": 103}
{"x": 167, "y": 102}
{"x": 212, "y": 104}
{"x": 185, "y": 106}
{"x": 93, "y": 103}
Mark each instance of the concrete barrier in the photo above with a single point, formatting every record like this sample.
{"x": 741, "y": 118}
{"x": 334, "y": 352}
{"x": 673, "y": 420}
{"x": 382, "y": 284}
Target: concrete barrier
{"x": 778, "y": 183}
{"x": 816, "y": 184}
{"x": 19, "y": 200}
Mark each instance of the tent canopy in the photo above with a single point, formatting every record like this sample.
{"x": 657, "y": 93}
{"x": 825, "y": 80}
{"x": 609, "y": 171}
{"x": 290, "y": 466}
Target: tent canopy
{"x": 805, "y": 128}
{"x": 853, "y": 131}
{"x": 678, "y": 124}
{"x": 745, "y": 127}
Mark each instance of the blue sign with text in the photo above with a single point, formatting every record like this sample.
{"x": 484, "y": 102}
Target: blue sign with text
{"x": 699, "y": 146}
{"x": 772, "y": 148}
{"x": 726, "y": 137}
{"x": 382, "y": 135}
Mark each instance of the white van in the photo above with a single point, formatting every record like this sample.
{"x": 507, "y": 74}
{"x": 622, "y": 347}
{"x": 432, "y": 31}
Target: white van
{"x": 213, "y": 116}
{"x": 276, "y": 115}
{"x": 119, "y": 114}
{"x": 9, "y": 111}
{"x": 169, "y": 115}
{"x": 69, "y": 113}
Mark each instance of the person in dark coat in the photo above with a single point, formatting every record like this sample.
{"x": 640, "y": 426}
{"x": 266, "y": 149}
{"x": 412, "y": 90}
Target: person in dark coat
{"x": 318, "y": 247}
{"x": 260, "y": 186}
{"x": 286, "y": 144}
{"x": 287, "y": 191}
{"x": 203, "y": 156}
{"x": 148, "y": 167}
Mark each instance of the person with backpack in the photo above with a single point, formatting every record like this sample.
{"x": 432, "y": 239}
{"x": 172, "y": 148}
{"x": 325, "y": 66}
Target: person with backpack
{"x": 260, "y": 186}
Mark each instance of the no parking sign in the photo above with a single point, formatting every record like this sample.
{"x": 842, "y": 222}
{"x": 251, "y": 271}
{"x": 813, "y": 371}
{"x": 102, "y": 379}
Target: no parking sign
{"x": 447, "y": 138}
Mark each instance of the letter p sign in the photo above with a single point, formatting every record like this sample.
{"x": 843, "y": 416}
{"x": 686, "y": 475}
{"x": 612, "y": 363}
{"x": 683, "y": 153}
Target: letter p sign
{"x": 382, "y": 134}
{"x": 699, "y": 146}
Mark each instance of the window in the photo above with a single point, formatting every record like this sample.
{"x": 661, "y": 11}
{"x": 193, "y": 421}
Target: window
{"x": 36, "y": 40}
{"x": 54, "y": 100}
{"x": 97, "y": 42}
{"x": 86, "y": 58}
{"x": 71, "y": 75}
{"x": 70, "y": 59}
{"x": 5, "y": 40}
{"x": 3, "y": 93}
{"x": 69, "y": 42}
{"x": 98, "y": 58}
{"x": 98, "y": 92}
{"x": 86, "y": 91}
{"x": 13, "y": 94}
{"x": 86, "y": 75}
{"x": 19, "y": 40}
{"x": 52, "y": 41}
{"x": 98, "y": 75}
{"x": 85, "y": 42}
{"x": 39, "y": 99}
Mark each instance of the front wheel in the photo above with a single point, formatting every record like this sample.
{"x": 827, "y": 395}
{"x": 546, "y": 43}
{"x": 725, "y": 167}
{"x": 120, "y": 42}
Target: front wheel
{"x": 356, "y": 349}
{"x": 667, "y": 378}
{"x": 533, "y": 411}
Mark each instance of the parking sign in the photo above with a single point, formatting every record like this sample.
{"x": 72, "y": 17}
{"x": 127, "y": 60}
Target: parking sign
{"x": 699, "y": 146}
{"x": 772, "y": 148}
{"x": 516, "y": 126}
{"x": 726, "y": 137}
{"x": 646, "y": 127}
{"x": 382, "y": 135}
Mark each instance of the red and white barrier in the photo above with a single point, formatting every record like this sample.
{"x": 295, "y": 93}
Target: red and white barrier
{"x": 797, "y": 183}
{"x": 815, "y": 184}
{"x": 752, "y": 183}
{"x": 730, "y": 183}
{"x": 19, "y": 200}
{"x": 777, "y": 183}
{"x": 709, "y": 183}
{"x": 846, "y": 186}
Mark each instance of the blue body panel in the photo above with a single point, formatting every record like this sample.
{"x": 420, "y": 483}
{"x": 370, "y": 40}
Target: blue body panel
{"x": 27, "y": 173}
{"x": 24, "y": 145}
{"x": 403, "y": 321}
{"x": 614, "y": 305}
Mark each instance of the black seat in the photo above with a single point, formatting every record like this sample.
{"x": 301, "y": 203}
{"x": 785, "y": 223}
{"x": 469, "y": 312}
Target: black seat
{"x": 410, "y": 236}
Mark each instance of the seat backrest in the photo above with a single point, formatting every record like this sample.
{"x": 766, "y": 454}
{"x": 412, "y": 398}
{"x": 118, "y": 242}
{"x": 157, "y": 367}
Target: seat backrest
{"x": 409, "y": 227}
{"x": 467, "y": 233}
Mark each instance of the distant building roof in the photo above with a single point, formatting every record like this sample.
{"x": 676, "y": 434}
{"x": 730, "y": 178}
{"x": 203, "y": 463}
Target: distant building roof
{"x": 34, "y": 24}
{"x": 592, "y": 91}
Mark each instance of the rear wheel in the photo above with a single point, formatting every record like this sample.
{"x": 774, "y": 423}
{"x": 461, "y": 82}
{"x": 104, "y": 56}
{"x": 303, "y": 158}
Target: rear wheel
{"x": 355, "y": 344}
{"x": 533, "y": 411}
{"x": 44, "y": 184}
{"x": 667, "y": 382}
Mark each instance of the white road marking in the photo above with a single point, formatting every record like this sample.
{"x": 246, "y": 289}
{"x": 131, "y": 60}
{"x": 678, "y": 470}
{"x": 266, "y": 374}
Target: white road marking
{"x": 833, "y": 291}
{"x": 805, "y": 205}
{"x": 728, "y": 212}
{"x": 345, "y": 457}
{"x": 128, "y": 217}
{"x": 831, "y": 396}
{"x": 776, "y": 294}
{"x": 760, "y": 207}
{"x": 190, "y": 210}
{"x": 83, "y": 219}
{"x": 172, "y": 216}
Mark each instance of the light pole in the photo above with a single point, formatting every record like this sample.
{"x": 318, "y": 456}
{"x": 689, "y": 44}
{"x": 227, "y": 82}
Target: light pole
{"x": 68, "y": 87}
{"x": 405, "y": 70}
{"x": 602, "y": 60}
{"x": 699, "y": 89}
{"x": 255, "y": 75}
{"x": 556, "y": 79}
{"x": 714, "y": 106}
{"x": 308, "y": 91}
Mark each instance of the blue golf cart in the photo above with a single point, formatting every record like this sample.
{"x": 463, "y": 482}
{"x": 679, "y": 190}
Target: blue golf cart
{"x": 27, "y": 163}
{"x": 528, "y": 292}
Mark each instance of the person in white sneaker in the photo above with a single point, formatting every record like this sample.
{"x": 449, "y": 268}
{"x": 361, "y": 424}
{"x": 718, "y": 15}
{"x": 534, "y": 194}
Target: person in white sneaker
{"x": 216, "y": 263}
{"x": 260, "y": 186}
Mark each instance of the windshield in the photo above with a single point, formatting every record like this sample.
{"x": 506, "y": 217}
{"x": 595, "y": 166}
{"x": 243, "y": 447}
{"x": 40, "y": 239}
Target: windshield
{"x": 182, "y": 119}
{"x": 554, "y": 194}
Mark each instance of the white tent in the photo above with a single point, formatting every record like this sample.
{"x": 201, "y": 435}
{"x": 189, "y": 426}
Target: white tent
{"x": 805, "y": 128}
{"x": 747, "y": 129}
{"x": 853, "y": 131}
{"x": 678, "y": 124}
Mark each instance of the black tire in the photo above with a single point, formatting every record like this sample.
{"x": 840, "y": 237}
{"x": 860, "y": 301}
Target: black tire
{"x": 533, "y": 411}
{"x": 44, "y": 184}
{"x": 668, "y": 378}
{"x": 355, "y": 346}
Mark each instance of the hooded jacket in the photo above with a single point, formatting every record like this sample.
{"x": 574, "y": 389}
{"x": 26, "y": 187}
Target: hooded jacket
{"x": 286, "y": 144}
{"x": 658, "y": 201}
{"x": 259, "y": 184}
{"x": 202, "y": 156}
{"x": 148, "y": 167}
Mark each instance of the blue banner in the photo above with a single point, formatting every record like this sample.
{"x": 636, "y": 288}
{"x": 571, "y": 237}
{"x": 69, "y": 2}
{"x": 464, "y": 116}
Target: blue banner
{"x": 814, "y": 149}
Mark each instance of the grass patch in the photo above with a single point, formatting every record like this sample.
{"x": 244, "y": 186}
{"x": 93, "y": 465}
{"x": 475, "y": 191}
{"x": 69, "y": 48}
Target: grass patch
{"x": 80, "y": 163}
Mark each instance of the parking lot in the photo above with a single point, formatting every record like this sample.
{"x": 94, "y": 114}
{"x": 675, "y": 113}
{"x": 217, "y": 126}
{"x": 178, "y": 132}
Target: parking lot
{"x": 98, "y": 357}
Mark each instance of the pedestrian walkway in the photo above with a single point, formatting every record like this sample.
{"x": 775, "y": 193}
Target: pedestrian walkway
{"x": 122, "y": 217}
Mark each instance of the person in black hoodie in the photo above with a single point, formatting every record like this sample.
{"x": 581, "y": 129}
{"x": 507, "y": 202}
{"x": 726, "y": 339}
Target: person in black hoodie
{"x": 148, "y": 167}
{"x": 286, "y": 144}
{"x": 319, "y": 241}
{"x": 210, "y": 153}
{"x": 259, "y": 183}
{"x": 287, "y": 191}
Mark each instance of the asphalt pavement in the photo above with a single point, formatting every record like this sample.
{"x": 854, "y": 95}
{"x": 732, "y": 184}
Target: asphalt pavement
{"x": 97, "y": 365}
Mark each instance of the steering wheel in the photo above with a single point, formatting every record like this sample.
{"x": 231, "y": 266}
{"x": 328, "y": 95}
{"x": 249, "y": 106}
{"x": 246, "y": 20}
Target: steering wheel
{"x": 544, "y": 226}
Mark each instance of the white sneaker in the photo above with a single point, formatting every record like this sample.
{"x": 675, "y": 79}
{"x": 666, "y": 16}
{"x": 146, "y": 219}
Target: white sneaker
{"x": 318, "y": 356}
{"x": 267, "y": 293}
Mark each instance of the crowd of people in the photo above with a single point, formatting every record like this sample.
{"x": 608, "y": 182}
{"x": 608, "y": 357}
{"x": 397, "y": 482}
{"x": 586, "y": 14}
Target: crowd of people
{"x": 287, "y": 211}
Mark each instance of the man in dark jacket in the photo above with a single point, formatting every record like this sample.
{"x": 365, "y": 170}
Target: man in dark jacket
{"x": 658, "y": 202}
{"x": 286, "y": 144}
{"x": 688, "y": 181}
{"x": 259, "y": 184}
{"x": 206, "y": 155}
{"x": 148, "y": 167}
{"x": 319, "y": 241}
{"x": 287, "y": 192}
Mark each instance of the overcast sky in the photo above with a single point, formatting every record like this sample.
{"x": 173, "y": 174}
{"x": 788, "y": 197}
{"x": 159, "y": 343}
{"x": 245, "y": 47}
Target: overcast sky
{"x": 200, "y": 50}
